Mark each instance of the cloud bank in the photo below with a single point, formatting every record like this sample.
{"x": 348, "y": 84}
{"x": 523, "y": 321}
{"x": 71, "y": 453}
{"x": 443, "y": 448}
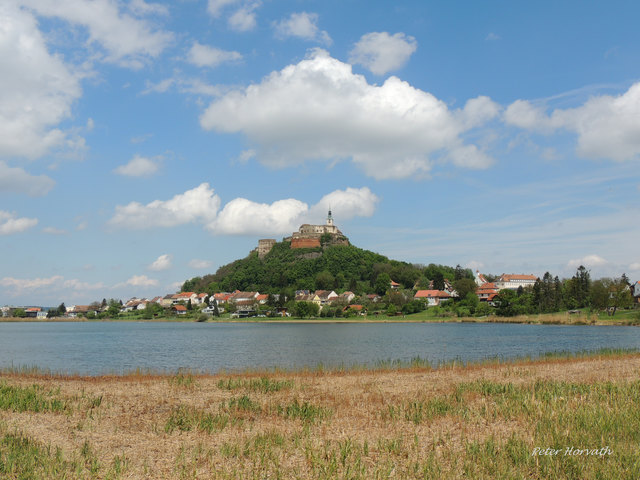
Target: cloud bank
{"x": 606, "y": 126}
{"x": 319, "y": 109}
{"x": 241, "y": 216}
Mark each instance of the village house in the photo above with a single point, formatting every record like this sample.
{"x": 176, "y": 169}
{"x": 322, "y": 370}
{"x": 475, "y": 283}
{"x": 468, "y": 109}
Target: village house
{"x": 432, "y": 297}
{"x": 486, "y": 292}
{"x": 347, "y": 296}
{"x": 374, "y": 297}
{"x": 480, "y": 279}
{"x": 513, "y": 282}
{"x": 200, "y": 299}
{"x": 359, "y": 309}
{"x": 179, "y": 309}
{"x": 74, "y": 310}
{"x": 185, "y": 297}
{"x": 311, "y": 297}
{"x": 239, "y": 296}
{"x": 635, "y": 291}
{"x": 326, "y": 296}
{"x": 31, "y": 312}
{"x": 262, "y": 298}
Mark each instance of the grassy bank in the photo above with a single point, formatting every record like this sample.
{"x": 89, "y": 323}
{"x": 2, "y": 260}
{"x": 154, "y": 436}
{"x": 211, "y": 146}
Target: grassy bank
{"x": 622, "y": 317}
{"x": 575, "y": 416}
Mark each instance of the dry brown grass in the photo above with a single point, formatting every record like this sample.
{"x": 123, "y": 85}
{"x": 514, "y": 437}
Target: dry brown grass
{"x": 366, "y": 429}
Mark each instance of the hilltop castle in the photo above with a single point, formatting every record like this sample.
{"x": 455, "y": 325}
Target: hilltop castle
{"x": 307, "y": 236}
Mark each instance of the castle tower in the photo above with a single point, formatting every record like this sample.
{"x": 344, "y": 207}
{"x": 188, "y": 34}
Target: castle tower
{"x": 329, "y": 218}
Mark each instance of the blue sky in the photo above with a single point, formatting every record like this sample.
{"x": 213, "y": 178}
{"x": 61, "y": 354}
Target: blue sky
{"x": 143, "y": 143}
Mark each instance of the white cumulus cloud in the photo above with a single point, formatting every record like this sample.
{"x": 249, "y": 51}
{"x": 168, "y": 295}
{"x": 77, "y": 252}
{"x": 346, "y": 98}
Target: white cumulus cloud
{"x": 37, "y": 89}
{"x": 10, "y": 224}
{"x": 346, "y": 204}
{"x": 17, "y": 180}
{"x": 163, "y": 262}
{"x": 587, "y": 261}
{"x": 207, "y": 56}
{"x": 319, "y": 109}
{"x": 244, "y": 19}
{"x": 302, "y": 25}
{"x": 381, "y": 53}
{"x": 125, "y": 38}
{"x": 199, "y": 204}
{"x": 242, "y": 216}
{"x": 138, "y": 166}
{"x": 606, "y": 126}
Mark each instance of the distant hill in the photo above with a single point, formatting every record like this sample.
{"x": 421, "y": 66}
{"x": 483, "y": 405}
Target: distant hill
{"x": 334, "y": 267}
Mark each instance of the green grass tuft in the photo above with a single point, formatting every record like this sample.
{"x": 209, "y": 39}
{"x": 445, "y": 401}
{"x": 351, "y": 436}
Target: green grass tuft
{"x": 29, "y": 399}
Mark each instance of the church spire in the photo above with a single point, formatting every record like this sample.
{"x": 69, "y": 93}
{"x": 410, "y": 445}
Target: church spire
{"x": 329, "y": 218}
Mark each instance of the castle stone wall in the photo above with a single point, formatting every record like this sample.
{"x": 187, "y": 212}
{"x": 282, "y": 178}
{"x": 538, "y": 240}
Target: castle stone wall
{"x": 305, "y": 242}
{"x": 264, "y": 246}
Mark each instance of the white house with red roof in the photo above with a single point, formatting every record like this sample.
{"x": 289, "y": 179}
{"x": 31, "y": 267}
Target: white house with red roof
{"x": 239, "y": 296}
{"x": 480, "y": 279}
{"x": 432, "y": 297}
{"x": 486, "y": 292}
{"x": 515, "y": 281}
{"x": 347, "y": 296}
{"x": 326, "y": 296}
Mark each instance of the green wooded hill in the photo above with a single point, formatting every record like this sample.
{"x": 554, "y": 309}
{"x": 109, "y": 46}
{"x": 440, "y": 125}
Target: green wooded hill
{"x": 334, "y": 267}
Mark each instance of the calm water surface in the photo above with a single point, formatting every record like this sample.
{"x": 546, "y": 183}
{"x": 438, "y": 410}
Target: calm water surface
{"x": 109, "y": 347}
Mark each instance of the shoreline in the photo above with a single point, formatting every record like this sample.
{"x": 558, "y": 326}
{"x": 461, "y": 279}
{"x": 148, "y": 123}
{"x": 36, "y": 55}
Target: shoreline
{"x": 539, "y": 319}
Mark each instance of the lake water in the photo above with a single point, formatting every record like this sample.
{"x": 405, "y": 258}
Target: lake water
{"x": 115, "y": 347}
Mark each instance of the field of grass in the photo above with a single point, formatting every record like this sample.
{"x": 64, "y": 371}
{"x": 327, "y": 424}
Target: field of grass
{"x": 561, "y": 416}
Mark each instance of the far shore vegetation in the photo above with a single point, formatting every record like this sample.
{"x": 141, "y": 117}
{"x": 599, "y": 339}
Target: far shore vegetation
{"x": 585, "y": 316}
{"x": 369, "y": 287}
{"x": 569, "y": 416}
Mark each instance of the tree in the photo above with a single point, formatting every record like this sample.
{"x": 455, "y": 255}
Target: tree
{"x": 383, "y": 283}
{"x": 305, "y": 309}
{"x": 581, "y": 283}
{"x": 464, "y": 286}
{"x": 599, "y": 295}
{"x": 438, "y": 281}
{"x": 620, "y": 295}
{"x": 114, "y": 308}
{"x": 324, "y": 280}
{"x": 458, "y": 273}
